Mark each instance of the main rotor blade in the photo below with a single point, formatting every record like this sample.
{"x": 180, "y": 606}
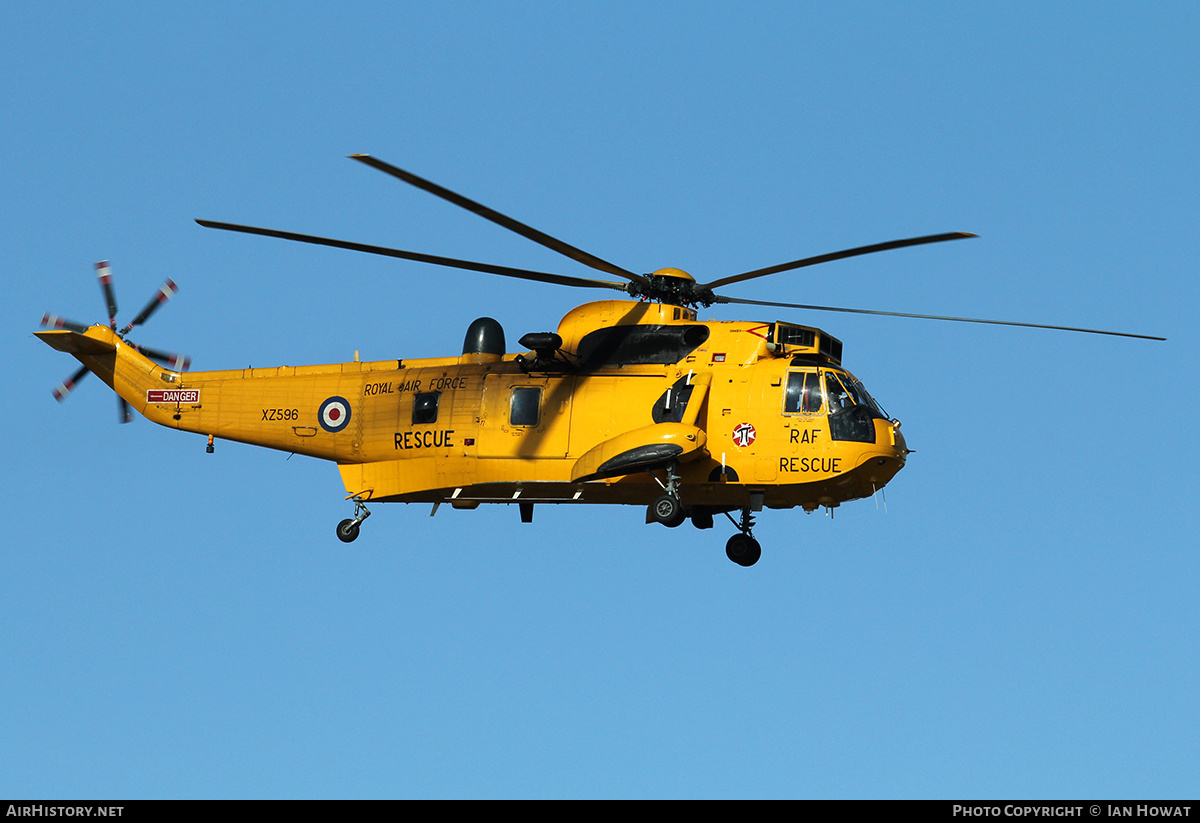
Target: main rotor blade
{"x": 104, "y": 273}
{"x": 722, "y": 299}
{"x": 488, "y": 268}
{"x": 165, "y": 293}
{"x": 553, "y": 243}
{"x": 837, "y": 255}
{"x": 67, "y": 386}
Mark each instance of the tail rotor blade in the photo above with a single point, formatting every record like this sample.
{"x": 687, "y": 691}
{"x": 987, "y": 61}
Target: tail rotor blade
{"x": 104, "y": 273}
{"x": 178, "y": 362}
{"x": 67, "y": 386}
{"x": 53, "y": 321}
{"x": 165, "y": 293}
{"x": 124, "y": 413}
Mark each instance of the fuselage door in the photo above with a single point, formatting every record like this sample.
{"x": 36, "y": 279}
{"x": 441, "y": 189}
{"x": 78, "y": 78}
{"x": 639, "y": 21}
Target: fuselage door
{"x": 525, "y": 416}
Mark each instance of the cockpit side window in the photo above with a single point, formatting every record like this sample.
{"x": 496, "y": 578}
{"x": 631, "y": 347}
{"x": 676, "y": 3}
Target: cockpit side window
{"x": 851, "y": 410}
{"x": 847, "y": 386}
{"x": 803, "y": 394}
{"x": 839, "y": 398}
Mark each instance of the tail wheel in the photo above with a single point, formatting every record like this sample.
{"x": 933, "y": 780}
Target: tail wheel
{"x": 347, "y": 530}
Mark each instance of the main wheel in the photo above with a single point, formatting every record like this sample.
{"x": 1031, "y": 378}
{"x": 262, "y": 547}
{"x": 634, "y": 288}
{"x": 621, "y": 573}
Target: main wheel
{"x": 668, "y": 511}
{"x": 743, "y": 550}
{"x": 347, "y": 531}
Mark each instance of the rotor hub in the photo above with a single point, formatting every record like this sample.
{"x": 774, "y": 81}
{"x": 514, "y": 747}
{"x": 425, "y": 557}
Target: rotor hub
{"x": 673, "y": 286}
{"x": 678, "y": 274}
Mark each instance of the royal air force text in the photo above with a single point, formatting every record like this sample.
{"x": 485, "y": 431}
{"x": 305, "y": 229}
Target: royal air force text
{"x": 443, "y": 383}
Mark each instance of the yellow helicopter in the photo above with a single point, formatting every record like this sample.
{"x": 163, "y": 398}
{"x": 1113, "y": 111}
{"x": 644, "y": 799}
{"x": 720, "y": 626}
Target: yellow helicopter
{"x": 630, "y": 401}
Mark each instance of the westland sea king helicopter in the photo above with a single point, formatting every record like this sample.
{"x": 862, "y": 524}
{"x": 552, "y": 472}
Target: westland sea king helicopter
{"x": 630, "y": 401}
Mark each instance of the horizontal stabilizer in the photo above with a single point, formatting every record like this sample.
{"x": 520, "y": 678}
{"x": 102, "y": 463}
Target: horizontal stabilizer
{"x": 76, "y": 343}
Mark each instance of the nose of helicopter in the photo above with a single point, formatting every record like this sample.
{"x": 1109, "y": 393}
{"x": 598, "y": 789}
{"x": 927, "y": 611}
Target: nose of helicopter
{"x": 899, "y": 444}
{"x": 881, "y": 463}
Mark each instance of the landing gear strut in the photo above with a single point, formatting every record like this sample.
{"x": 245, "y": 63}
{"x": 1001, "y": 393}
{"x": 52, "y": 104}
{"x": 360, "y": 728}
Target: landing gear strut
{"x": 742, "y": 548}
{"x": 667, "y": 508}
{"x": 347, "y": 530}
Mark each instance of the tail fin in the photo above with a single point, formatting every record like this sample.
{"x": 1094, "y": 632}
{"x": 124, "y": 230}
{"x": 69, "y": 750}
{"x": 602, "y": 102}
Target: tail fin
{"x": 78, "y": 344}
{"x": 121, "y": 365}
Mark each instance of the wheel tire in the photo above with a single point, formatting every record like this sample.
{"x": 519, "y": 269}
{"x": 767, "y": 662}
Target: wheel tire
{"x": 668, "y": 511}
{"x": 347, "y": 531}
{"x": 743, "y": 550}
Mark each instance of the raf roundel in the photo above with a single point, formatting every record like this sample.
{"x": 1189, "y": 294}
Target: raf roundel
{"x": 334, "y": 414}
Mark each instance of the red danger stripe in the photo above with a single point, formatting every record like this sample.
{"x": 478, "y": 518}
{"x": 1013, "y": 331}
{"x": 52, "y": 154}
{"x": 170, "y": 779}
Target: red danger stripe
{"x": 173, "y": 396}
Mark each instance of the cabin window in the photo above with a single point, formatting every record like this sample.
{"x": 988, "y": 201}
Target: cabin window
{"x": 803, "y": 393}
{"x": 525, "y": 405}
{"x": 425, "y": 407}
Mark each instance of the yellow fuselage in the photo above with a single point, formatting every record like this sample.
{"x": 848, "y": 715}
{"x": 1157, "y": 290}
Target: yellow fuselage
{"x": 737, "y": 414}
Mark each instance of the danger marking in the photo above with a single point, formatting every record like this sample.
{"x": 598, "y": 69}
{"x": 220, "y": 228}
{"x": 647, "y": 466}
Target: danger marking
{"x": 173, "y": 396}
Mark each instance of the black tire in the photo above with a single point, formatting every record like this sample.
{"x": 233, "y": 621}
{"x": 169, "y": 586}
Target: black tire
{"x": 668, "y": 511}
{"x": 347, "y": 531}
{"x": 743, "y": 550}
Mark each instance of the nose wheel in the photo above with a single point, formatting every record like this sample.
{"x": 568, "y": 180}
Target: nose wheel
{"x": 347, "y": 530}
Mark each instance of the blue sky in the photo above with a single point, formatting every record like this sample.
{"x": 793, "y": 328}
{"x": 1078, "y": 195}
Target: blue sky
{"x": 1016, "y": 619}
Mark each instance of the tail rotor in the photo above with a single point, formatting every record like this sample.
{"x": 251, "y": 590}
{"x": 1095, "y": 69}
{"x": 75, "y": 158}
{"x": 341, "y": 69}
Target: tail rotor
{"x": 171, "y": 360}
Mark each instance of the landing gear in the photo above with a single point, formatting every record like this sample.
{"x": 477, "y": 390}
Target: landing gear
{"x": 347, "y": 530}
{"x": 742, "y": 548}
{"x": 667, "y": 508}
